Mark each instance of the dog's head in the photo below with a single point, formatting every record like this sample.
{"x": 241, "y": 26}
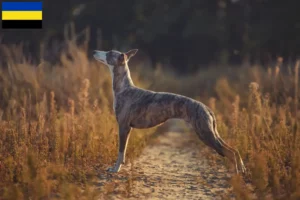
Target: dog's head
{"x": 114, "y": 59}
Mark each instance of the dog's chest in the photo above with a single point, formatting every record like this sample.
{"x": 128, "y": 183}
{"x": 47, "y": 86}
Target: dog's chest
{"x": 117, "y": 104}
{"x": 121, "y": 108}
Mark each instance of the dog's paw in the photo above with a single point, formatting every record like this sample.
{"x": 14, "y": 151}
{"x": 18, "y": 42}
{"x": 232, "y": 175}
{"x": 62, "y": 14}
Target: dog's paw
{"x": 244, "y": 169}
{"x": 113, "y": 169}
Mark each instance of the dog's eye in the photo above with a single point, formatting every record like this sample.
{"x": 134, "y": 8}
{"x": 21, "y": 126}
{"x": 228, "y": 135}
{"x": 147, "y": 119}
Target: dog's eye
{"x": 121, "y": 57}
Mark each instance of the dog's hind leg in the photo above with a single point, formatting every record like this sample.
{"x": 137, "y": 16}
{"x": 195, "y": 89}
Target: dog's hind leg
{"x": 227, "y": 152}
{"x": 236, "y": 152}
{"x": 215, "y": 142}
{"x": 124, "y": 132}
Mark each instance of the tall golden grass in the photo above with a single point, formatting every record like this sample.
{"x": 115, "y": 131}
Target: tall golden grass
{"x": 57, "y": 126}
{"x": 257, "y": 112}
{"x": 58, "y": 129}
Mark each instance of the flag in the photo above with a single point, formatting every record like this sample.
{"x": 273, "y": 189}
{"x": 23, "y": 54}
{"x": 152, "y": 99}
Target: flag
{"x": 20, "y": 15}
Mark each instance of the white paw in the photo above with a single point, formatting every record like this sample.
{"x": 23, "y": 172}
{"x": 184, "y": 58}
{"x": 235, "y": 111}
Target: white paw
{"x": 244, "y": 169}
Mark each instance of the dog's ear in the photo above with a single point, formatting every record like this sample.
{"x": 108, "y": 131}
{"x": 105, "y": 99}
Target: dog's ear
{"x": 131, "y": 53}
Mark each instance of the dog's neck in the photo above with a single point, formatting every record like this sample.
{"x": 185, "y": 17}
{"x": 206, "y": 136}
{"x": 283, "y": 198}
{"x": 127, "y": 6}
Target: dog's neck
{"x": 121, "y": 79}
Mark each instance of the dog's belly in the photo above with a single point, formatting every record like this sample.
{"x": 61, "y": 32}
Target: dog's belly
{"x": 147, "y": 122}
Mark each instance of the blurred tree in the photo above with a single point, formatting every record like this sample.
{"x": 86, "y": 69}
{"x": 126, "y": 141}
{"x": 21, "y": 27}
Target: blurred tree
{"x": 184, "y": 34}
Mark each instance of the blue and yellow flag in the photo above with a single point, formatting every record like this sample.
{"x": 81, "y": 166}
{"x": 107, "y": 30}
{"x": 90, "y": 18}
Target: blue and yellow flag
{"x": 17, "y": 15}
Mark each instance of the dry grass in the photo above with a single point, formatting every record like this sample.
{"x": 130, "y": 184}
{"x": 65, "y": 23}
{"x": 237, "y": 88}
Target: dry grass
{"x": 57, "y": 126}
{"x": 257, "y": 112}
{"x": 58, "y": 129}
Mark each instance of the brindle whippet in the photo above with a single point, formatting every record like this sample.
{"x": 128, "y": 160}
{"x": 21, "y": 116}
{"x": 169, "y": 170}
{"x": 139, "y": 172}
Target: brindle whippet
{"x": 139, "y": 108}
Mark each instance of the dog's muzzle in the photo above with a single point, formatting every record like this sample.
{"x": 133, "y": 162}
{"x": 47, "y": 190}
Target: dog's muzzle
{"x": 100, "y": 56}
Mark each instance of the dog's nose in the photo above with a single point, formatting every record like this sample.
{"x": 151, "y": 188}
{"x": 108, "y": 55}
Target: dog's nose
{"x": 96, "y": 52}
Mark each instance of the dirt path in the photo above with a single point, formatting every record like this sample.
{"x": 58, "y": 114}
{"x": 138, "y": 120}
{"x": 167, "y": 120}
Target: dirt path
{"x": 172, "y": 168}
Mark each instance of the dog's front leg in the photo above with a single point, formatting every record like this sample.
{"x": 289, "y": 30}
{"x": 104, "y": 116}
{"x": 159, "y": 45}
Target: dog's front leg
{"x": 124, "y": 132}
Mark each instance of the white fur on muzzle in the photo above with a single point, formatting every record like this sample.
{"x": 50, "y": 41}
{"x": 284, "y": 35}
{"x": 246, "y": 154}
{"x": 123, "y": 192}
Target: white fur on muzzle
{"x": 100, "y": 56}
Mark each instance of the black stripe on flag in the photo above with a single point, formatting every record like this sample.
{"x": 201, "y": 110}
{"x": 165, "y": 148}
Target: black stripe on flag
{"x": 22, "y": 24}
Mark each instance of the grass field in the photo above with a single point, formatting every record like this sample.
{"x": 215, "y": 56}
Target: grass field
{"x": 58, "y": 129}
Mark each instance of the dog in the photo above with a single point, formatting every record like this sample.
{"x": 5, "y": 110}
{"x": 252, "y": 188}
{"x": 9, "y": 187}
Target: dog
{"x": 139, "y": 108}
